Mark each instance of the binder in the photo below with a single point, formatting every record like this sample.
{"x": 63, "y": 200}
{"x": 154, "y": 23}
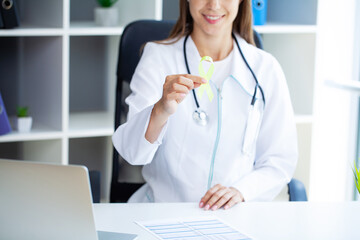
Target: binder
{"x": 4, "y": 120}
{"x": 1, "y": 21}
{"x": 259, "y": 9}
{"x": 10, "y": 16}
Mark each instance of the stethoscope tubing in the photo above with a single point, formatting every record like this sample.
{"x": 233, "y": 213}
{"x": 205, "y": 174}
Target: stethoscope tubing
{"x": 257, "y": 85}
{"x": 188, "y": 70}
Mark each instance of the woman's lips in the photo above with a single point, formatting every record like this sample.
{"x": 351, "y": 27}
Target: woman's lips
{"x": 212, "y": 19}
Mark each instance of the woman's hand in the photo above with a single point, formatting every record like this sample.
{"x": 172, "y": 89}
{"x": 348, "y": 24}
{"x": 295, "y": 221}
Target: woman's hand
{"x": 219, "y": 196}
{"x": 175, "y": 89}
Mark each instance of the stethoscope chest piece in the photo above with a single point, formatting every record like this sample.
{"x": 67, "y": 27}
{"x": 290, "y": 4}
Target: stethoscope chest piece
{"x": 200, "y": 117}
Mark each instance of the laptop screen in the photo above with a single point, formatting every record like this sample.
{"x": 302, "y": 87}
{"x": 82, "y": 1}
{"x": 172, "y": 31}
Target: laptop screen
{"x": 45, "y": 201}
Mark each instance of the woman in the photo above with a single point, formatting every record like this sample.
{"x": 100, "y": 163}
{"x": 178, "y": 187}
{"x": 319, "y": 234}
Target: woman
{"x": 245, "y": 149}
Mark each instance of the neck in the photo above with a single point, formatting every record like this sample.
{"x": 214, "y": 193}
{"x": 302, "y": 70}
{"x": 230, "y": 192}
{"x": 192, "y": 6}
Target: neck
{"x": 217, "y": 48}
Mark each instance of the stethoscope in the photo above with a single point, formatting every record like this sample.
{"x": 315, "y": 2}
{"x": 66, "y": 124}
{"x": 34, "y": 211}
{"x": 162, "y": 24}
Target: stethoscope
{"x": 199, "y": 115}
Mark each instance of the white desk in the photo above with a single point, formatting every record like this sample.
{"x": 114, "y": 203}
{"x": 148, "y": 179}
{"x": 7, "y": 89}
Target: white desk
{"x": 271, "y": 220}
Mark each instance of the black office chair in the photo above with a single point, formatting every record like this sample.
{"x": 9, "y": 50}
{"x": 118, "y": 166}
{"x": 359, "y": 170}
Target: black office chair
{"x": 94, "y": 177}
{"x": 134, "y": 36}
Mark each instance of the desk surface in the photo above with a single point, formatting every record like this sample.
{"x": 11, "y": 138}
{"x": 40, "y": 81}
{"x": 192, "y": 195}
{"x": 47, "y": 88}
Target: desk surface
{"x": 271, "y": 220}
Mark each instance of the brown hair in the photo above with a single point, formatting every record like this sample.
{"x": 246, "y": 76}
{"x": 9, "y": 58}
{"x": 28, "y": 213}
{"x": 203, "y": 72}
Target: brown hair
{"x": 242, "y": 23}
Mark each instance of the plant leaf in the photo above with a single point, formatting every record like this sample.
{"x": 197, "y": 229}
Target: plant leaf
{"x": 357, "y": 186}
{"x": 106, "y": 3}
{"x": 357, "y": 177}
{"x": 22, "y": 111}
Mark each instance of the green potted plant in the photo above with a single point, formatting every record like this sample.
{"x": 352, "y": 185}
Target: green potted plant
{"x": 24, "y": 121}
{"x": 106, "y": 14}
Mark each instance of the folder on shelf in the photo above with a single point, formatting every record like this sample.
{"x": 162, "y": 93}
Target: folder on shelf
{"x": 1, "y": 21}
{"x": 10, "y": 16}
{"x": 4, "y": 120}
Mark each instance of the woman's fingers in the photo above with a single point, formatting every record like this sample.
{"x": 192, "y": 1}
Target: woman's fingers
{"x": 196, "y": 79}
{"x": 204, "y": 200}
{"x": 178, "y": 97}
{"x": 231, "y": 203}
{"x": 220, "y": 196}
{"x": 180, "y": 88}
{"x": 217, "y": 200}
{"x": 175, "y": 89}
{"x": 225, "y": 198}
{"x": 178, "y": 93}
{"x": 188, "y": 80}
{"x": 234, "y": 200}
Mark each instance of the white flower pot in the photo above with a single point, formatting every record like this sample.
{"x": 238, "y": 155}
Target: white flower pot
{"x": 23, "y": 124}
{"x": 106, "y": 16}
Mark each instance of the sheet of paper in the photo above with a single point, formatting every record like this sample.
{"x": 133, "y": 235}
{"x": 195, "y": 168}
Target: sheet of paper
{"x": 194, "y": 228}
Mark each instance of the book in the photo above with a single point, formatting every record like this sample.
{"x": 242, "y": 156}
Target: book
{"x": 1, "y": 21}
{"x": 9, "y": 12}
{"x": 4, "y": 120}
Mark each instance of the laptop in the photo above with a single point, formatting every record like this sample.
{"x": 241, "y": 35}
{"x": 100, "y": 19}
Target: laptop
{"x": 48, "y": 201}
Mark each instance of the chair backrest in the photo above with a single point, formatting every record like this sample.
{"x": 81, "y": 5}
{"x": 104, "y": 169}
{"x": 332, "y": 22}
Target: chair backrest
{"x": 296, "y": 190}
{"x": 134, "y": 36}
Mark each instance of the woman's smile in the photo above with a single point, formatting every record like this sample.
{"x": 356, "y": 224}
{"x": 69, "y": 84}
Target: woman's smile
{"x": 213, "y": 19}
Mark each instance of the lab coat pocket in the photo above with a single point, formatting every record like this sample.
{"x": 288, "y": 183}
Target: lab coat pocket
{"x": 252, "y": 127}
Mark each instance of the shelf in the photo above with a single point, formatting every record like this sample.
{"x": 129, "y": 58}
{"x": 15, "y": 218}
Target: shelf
{"x": 91, "y": 124}
{"x": 36, "y": 133}
{"x": 25, "y": 31}
{"x": 89, "y": 28}
{"x": 285, "y": 28}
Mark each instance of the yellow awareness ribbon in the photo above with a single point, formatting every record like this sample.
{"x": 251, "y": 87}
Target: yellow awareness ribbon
{"x": 207, "y": 76}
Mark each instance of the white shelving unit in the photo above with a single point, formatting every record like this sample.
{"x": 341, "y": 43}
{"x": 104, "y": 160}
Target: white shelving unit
{"x": 63, "y": 67}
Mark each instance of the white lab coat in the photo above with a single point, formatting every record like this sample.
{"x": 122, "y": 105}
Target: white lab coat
{"x": 177, "y": 166}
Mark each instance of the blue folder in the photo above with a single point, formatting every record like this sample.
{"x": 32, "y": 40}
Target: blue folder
{"x": 259, "y": 9}
{"x": 4, "y": 120}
